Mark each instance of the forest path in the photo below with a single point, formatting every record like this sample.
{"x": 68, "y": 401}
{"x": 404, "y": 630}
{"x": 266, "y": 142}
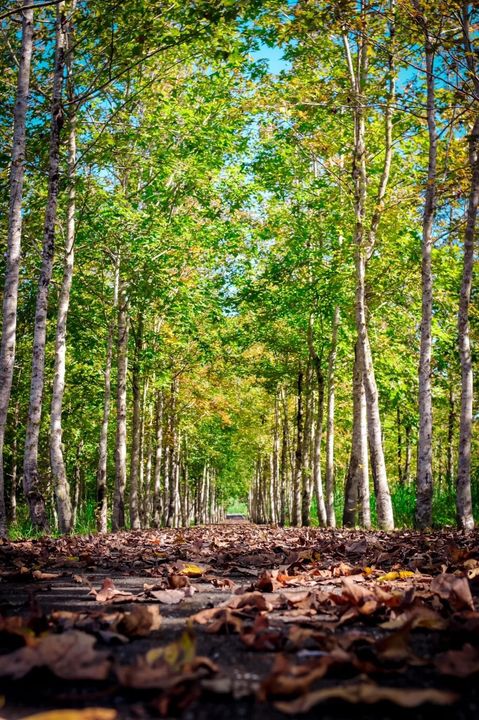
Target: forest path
{"x": 241, "y": 621}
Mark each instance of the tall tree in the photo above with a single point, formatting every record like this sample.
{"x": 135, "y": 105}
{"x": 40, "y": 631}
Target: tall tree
{"x": 10, "y": 292}
{"x": 464, "y": 500}
{"x": 31, "y": 480}
{"x": 424, "y": 466}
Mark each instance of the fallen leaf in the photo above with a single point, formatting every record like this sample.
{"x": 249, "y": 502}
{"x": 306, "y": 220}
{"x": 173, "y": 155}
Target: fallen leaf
{"x": 86, "y": 714}
{"x": 140, "y": 622}
{"x": 70, "y": 656}
{"x": 454, "y": 589}
{"x": 39, "y": 575}
{"x": 191, "y": 570}
{"x": 109, "y": 593}
{"x": 168, "y": 597}
{"x": 368, "y": 693}
{"x": 396, "y": 575}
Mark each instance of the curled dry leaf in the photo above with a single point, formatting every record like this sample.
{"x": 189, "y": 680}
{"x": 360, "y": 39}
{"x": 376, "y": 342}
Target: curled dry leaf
{"x": 454, "y": 589}
{"x": 140, "y": 622}
{"x": 109, "y": 593}
{"x": 368, "y": 693}
{"x": 396, "y": 575}
{"x": 191, "y": 570}
{"x": 70, "y": 656}
{"x": 39, "y": 575}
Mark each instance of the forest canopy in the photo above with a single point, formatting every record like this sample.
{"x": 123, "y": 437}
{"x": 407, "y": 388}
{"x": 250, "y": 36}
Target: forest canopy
{"x": 238, "y": 244}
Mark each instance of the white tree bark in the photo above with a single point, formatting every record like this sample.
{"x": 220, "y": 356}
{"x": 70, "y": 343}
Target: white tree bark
{"x": 331, "y": 516}
{"x": 157, "y": 494}
{"x": 60, "y": 481}
{"x": 101, "y": 476}
{"x": 118, "y": 515}
{"x": 136, "y": 429}
{"x": 424, "y": 468}
{"x": 364, "y": 243}
{"x": 31, "y": 481}
{"x": 10, "y": 292}
{"x": 464, "y": 501}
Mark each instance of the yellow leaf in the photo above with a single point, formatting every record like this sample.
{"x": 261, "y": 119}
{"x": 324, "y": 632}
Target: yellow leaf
{"x": 396, "y": 575}
{"x": 191, "y": 570}
{"x": 176, "y": 654}
{"x": 86, "y": 714}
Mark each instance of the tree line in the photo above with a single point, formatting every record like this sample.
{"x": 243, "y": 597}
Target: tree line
{"x": 229, "y": 280}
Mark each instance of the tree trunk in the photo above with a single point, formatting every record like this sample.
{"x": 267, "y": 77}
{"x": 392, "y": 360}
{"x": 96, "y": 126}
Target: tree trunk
{"x": 451, "y": 421}
{"x": 298, "y": 466}
{"x": 157, "y": 495}
{"x": 101, "y": 477}
{"x": 363, "y": 249}
{"x": 60, "y": 481}
{"x": 283, "y": 471}
{"x": 118, "y": 515}
{"x": 465, "y": 517}
{"x": 136, "y": 428}
{"x": 31, "y": 482}
{"x": 424, "y": 469}
{"x": 12, "y": 261}
{"x": 357, "y": 480}
{"x": 306, "y": 473}
{"x": 330, "y": 513}
{"x": 14, "y": 472}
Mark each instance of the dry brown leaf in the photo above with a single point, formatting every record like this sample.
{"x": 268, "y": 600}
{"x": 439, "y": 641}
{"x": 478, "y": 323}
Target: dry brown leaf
{"x": 140, "y": 622}
{"x": 168, "y": 597}
{"x": 454, "y": 589}
{"x": 109, "y": 593}
{"x": 368, "y": 693}
{"x": 70, "y": 656}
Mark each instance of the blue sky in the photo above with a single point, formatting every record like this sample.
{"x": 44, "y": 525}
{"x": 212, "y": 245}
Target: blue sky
{"x": 273, "y": 55}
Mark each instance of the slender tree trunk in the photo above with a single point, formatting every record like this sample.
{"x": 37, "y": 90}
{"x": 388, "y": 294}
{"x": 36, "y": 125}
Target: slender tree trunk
{"x": 136, "y": 428}
{"x": 275, "y": 482}
{"x": 465, "y": 517}
{"x": 331, "y": 516}
{"x": 451, "y": 421}
{"x": 14, "y": 473}
{"x": 157, "y": 495}
{"x": 306, "y": 472}
{"x": 424, "y": 469}
{"x": 363, "y": 250}
{"x": 60, "y": 481}
{"x": 298, "y": 466}
{"x": 118, "y": 515}
{"x": 399, "y": 445}
{"x": 357, "y": 480}
{"x": 283, "y": 471}
{"x": 31, "y": 482}
{"x": 10, "y": 292}
{"x": 101, "y": 477}
{"x": 407, "y": 459}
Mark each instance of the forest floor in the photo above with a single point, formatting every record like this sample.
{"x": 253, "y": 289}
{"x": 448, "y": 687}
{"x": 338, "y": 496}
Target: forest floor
{"x": 240, "y": 621}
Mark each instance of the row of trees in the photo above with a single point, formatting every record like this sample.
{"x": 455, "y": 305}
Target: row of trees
{"x": 242, "y": 275}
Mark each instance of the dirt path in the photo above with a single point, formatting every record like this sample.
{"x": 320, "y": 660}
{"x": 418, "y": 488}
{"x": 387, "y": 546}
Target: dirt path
{"x": 241, "y": 621}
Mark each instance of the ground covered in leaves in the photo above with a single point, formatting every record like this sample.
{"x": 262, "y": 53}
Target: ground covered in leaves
{"x": 240, "y": 621}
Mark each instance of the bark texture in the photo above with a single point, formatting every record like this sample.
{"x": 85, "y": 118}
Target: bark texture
{"x": 31, "y": 480}
{"x": 118, "y": 515}
{"x": 424, "y": 467}
{"x": 12, "y": 260}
